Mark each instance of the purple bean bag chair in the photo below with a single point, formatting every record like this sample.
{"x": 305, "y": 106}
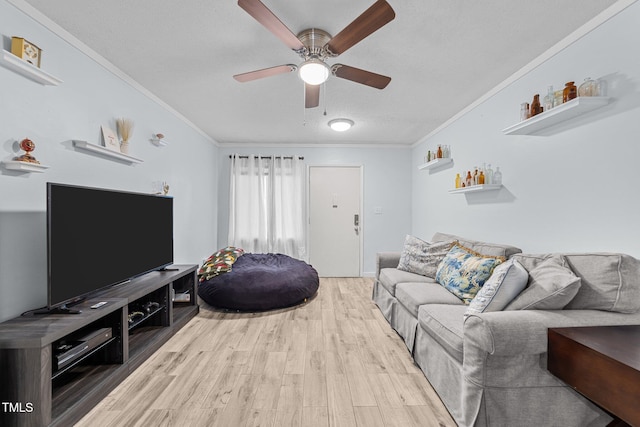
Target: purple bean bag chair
{"x": 259, "y": 282}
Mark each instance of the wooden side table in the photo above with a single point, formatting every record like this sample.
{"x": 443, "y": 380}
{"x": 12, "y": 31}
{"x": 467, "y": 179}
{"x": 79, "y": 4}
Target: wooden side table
{"x": 601, "y": 363}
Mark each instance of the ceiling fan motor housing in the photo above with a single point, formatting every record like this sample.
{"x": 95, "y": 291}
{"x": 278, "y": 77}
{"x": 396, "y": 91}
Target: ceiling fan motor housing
{"x": 314, "y": 41}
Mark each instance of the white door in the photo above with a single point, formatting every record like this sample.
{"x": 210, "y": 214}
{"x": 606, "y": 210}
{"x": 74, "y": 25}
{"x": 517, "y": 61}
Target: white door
{"x": 335, "y": 220}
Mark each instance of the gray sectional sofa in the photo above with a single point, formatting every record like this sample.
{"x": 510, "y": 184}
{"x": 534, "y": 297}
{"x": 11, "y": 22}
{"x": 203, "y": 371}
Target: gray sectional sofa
{"x": 489, "y": 368}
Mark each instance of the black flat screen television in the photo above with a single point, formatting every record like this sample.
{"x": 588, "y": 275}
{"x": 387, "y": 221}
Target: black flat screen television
{"x": 98, "y": 238}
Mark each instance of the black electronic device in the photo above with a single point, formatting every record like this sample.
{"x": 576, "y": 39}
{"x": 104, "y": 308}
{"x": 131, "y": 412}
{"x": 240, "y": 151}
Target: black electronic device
{"x": 98, "y": 238}
{"x": 150, "y": 307}
{"x": 67, "y": 352}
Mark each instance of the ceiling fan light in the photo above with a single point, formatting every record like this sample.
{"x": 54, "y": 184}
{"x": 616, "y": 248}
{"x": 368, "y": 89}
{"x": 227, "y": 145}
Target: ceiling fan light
{"x": 313, "y": 71}
{"x": 340, "y": 125}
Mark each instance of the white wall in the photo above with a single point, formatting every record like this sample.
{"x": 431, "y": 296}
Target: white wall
{"x": 53, "y": 116}
{"x": 571, "y": 189}
{"x": 387, "y": 184}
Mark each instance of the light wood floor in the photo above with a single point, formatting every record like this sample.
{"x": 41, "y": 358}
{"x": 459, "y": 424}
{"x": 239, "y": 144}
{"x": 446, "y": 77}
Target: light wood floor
{"x": 333, "y": 361}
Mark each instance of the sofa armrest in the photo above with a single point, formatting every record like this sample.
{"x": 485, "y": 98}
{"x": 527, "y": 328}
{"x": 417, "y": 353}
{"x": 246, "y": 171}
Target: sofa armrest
{"x": 386, "y": 260}
{"x": 519, "y": 332}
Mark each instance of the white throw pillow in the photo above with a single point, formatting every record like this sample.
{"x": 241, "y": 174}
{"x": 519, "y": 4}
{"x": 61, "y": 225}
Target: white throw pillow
{"x": 506, "y": 282}
{"x": 552, "y": 285}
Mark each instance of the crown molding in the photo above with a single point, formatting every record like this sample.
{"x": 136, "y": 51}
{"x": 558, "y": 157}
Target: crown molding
{"x": 592, "y": 24}
{"x": 56, "y": 29}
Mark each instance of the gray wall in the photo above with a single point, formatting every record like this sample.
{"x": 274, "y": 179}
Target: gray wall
{"x": 387, "y": 184}
{"x": 571, "y": 189}
{"x": 52, "y": 116}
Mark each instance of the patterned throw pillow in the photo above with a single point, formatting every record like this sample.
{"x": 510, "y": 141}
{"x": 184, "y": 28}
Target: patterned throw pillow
{"x": 505, "y": 284}
{"x": 218, "y": 263}
{"x": 422, "y": 257}
{"x": 463, "y": 271}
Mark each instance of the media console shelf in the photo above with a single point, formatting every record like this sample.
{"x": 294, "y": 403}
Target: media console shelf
{"x": 47, "y": 387}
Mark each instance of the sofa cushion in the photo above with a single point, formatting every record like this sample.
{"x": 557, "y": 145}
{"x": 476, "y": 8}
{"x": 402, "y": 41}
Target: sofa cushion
{"x": 390, "y": 277}
{"x": 552, "y": 285}
{"x": 609, "y": 280}
{"x": 504, "y": 285}
{"x": 422, "y": 257}
{"x": 444, "y": 322}
{"x": 463, "y": 271}
{"x": 413, "y": 295}
{"x": 484, "y": 248}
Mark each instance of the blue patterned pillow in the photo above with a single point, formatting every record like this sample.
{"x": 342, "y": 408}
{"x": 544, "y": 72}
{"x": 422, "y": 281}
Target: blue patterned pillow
{"x": 463, "y": 271}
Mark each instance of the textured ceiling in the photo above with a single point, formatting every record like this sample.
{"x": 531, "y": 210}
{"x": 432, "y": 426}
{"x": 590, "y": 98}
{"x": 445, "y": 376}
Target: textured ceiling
{"x": 441, "y": 56}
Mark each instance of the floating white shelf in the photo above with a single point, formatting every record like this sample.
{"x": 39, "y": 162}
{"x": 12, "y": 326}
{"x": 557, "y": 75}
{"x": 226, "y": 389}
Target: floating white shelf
{"x": 435, "y": 163}
{"x": 159, "y": 142}
{"x": 568, "y": 110}
{"x": 105, "y": 151}
{"x": 476, "y": 188}
{"x": 24, "y": 166}
{"x": 12, "y": 62}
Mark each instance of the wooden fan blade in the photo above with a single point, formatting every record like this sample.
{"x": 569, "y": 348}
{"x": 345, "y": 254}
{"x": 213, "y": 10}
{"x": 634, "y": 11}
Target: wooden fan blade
{"x": 311, "y": 96}
{"x": 264, "y": 16}
{"x": 361, "y": 76}
{"x": 372, "y": 19}
{"x": 265, "y": 72}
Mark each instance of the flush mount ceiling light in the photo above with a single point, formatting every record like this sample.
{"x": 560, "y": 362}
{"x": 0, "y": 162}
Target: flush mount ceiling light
{"x": 340, "y": 125}
{"x": 314, "y": 71}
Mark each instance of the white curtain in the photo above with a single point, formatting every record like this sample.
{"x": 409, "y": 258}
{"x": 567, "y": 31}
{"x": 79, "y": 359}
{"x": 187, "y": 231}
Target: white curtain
{"x": 266, "y": 205}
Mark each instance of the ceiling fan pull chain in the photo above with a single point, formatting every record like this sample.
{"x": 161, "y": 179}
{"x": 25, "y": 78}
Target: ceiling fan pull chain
{"x": 324, "y": 97}
{"x": 304, "y": 108}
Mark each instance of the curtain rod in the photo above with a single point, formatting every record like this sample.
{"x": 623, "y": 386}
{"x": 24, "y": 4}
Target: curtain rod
{"x": 268, "y": 157}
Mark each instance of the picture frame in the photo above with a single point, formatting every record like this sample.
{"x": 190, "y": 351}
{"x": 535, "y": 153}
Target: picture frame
{"x": 26, "y": 51}
{"x": 110, "y": 139}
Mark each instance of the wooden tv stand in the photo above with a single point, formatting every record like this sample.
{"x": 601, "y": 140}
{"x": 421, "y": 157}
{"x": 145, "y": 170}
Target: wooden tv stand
{"x": 35, "y": 392}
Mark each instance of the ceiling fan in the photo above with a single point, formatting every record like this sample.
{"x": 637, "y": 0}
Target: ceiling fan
{"x": 314, "y": 47}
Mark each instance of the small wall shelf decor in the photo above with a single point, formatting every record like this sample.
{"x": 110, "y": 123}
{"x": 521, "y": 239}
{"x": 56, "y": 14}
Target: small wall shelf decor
{"x": 24, "y": 166}
{"x": 476, "y": 188}
{"x": 574, "y": 108}
{"x": 12, "y": 62}
{"x": 436, "y": 163}
{"x": 105, "y": 151}
{"x": 158, "y": 139}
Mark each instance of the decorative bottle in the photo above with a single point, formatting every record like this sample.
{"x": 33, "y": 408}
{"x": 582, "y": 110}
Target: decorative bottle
{"x": 469, "y": 179}
{"x": 439, "y": 151}
{"x": 524, "y": 111}
{"x": 488, "y": 176}
{"x": 481, "y": 178}
{"x": 548, "y": 99}
{"x": 458, "y": 180}
{"x": 601, "y": 87}
{"x": 536, "y": 108}
{"x": 588, "y": 88}
{"x": 557, "y": 97}
{"x": 497, "y": 176}
{"x": 569, "y": 92}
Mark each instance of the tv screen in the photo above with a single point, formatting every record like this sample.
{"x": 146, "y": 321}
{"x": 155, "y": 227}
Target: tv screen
{"x": 98, "y": 238}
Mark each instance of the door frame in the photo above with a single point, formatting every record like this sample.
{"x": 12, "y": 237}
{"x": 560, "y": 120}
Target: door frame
{"x": 361, "y": 207}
